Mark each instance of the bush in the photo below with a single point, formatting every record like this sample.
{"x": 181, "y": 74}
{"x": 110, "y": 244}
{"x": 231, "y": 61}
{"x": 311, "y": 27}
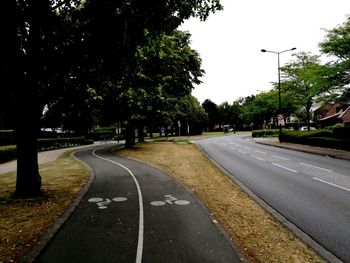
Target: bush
{"x": 7, "y": 137}
{"x": 321, "y": 138}
{"x": 58, "y": 143}
{"x": 265, "y": 133}
{"x": 100, "y": 135}
{"x": 7, "y": 153}
{"x": 329, "y": 142}
{"x": 341, "y": 131}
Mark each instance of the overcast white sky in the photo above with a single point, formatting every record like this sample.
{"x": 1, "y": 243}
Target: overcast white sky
{"x": 230, "y": 41}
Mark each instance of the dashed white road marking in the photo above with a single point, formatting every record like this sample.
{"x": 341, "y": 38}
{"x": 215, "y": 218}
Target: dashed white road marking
{"x": 242, "y": 152}
{"x": 247, "y": 148}
{"x": 256, "y": 157}
{"x": 141, "y": 214}
{"x": 279, "y": 157}
{"x": 323, "y": 169}
{"x": 283, "y": 167}
{"x": 332, "y": 184}
{"x": 260, "y": 152}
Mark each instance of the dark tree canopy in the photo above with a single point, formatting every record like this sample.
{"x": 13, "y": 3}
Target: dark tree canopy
{"x": 57, "y": 49}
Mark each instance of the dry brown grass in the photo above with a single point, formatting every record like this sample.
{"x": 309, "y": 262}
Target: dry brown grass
{"x": 259, "y": 235}
{"x": 23, "y": 221}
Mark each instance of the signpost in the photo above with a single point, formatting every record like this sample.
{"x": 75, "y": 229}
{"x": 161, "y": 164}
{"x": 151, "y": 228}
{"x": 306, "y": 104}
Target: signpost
{"x": 280, "y": 120}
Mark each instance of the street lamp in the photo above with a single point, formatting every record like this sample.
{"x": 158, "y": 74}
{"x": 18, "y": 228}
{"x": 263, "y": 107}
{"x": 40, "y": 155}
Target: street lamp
{"x": 279, "y": 81}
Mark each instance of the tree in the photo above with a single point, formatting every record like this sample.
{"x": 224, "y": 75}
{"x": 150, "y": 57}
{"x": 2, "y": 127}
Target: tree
{"x": 337, "y": 44}
{"x": 52, "y": 46}
{"x": 303, "y": 78}
{"x": 213, "y": 114}
{"x": 166, "y": 68}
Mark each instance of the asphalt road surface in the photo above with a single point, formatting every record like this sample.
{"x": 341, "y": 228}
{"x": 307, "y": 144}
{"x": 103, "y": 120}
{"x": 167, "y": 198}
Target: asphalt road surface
{"x": 136, "y": 213}
{"x": 311, "y": 191}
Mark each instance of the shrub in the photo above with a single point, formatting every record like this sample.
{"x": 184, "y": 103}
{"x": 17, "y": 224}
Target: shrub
{"x": 7, "y": 137}
{"x": 7, "y": 153}
{"x": 57, "y": 143}
{"x": 100, "y": 135}
{"x": 321, "y": 138}
{"x": 342, "y": 132}
{"x": 265, "y": 133}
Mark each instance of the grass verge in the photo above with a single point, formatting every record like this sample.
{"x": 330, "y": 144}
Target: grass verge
{"x": 261, "y": 237}
{"x": 23, "y": 221}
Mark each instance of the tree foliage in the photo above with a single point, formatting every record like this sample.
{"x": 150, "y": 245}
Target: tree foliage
{"x": 337, "y": 44}
{"x": 57, "y": 49}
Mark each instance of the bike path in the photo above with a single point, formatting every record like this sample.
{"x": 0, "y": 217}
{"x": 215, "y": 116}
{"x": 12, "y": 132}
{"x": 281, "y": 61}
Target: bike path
{"x": 136, "y": 213}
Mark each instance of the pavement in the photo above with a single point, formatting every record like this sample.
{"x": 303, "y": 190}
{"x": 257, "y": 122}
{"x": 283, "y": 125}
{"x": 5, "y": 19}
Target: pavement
{"x": 133, "y": 212}
{"x": 43, "y": 157}
{"x": 104, "y": 225}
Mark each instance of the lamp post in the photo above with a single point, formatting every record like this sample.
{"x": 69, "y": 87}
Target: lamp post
{"x": 279, "y": 82}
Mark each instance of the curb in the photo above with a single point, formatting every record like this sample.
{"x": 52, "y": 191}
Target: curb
{"x": 39, "y": 246}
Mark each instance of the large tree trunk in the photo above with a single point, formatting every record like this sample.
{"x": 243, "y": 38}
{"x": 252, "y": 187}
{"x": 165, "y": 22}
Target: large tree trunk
{"x": 28, "y": 178}
{"x": 140, "y": 134}
{"x": 129, "y": 136}
{"x": 27, "y": 110}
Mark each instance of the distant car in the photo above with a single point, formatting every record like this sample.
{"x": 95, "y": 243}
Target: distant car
{"x": 304, "y": 128}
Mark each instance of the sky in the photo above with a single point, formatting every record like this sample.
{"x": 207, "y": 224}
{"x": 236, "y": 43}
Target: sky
{"x": 230, "y": 42}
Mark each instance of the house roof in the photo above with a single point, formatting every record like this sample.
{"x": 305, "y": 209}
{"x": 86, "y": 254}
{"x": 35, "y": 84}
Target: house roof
{"x": 335, "y": 115}
{"x": 345, "y": 115}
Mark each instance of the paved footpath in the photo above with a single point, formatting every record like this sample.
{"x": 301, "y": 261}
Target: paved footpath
{"x": 43, "y": 157}
{"x": 136, "y": 213}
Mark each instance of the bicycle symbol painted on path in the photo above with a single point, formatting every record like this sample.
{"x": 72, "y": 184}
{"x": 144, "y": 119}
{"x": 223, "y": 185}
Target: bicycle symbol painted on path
{"x": 169, "y": 199}
{"x": 102, "y": 203}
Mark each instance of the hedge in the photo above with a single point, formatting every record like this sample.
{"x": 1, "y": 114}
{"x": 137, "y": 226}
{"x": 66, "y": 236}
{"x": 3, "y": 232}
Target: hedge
{"x": 265, "y": 133}
{"x": 321, "y": 138}
{"x": 7, "y": 137}
{"x": 100, "y": 135}
{"x": 342, "y": 132}
{"x": 7, "y": 153}
{"x": 58, "y": 143}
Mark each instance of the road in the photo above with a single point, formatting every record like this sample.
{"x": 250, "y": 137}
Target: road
{"x": 311, "y": 191}
{"x": 136, "y": 213}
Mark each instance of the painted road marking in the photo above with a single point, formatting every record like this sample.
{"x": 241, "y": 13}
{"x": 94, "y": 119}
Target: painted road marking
{"x": 260, "y": 152}
{"x": 283, "y": 167}
{"x": 279, "y": 157}
{"x": 256, "y": 157}
{"x": 242, "y": 152}
{"x": 101, "y": 204}
{"x": 323, "y": 169}
{"x": 169, "y": 199}
{"x": 332, "y": 184}
{"x": 119, "y": 199}
{"x": 247, "y": 148}
{"x": 141, "y": 213}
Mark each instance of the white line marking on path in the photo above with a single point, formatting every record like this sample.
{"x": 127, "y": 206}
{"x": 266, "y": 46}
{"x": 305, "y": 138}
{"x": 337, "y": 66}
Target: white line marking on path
{"x": 283, "y": 167}
{"x": 327, "y": 170}
{"x": 256, "y": 157}
{"x": 141, "y": 216}
{"x": 279, "y": 157}
{"x": 247, "y": 148}
{"x": 242, "y": 152}
{"x": 260, "y": 152}
{"x": 332, "y": 184}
